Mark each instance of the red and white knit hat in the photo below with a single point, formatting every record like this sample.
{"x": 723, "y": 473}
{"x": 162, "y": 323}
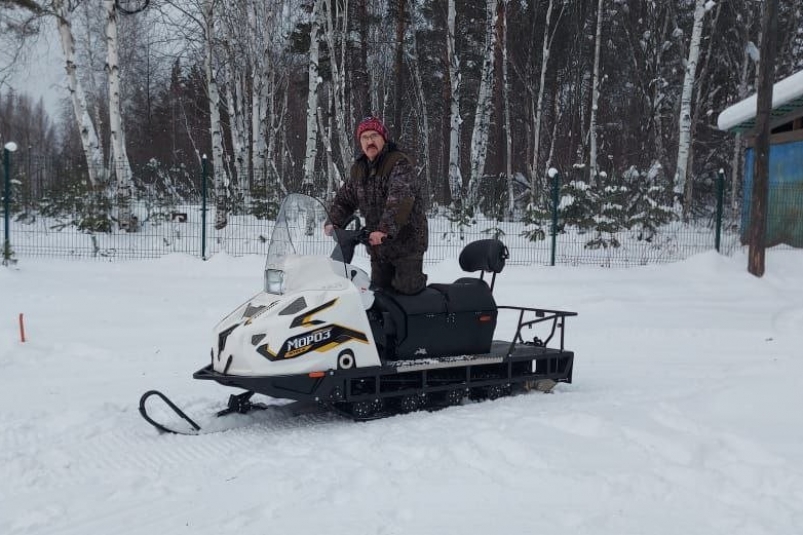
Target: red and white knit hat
{"x": 372, "y": 123}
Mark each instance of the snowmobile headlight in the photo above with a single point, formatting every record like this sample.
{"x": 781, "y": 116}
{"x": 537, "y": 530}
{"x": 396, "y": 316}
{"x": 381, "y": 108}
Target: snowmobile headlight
{"x": 274, "y": 281}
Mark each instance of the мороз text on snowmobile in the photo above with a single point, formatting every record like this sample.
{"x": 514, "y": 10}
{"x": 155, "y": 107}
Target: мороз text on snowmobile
{"x": 318, "y": 333}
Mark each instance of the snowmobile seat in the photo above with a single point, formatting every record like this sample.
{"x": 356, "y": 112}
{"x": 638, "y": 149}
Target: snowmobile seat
{"x": 443, "y": 319}
{"x": 466, "y": 294}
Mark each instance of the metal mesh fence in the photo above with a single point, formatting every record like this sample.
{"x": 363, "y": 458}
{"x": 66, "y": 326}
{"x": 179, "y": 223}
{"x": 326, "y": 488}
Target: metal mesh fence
{"x": 66, "y": 218}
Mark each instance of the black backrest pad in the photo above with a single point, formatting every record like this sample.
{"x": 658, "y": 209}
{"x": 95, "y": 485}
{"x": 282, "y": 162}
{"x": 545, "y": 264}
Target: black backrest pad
{"x": 484, "y": 255}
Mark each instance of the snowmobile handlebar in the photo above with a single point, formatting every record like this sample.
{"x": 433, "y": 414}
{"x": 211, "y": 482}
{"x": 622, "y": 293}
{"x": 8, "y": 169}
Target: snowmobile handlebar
{"x": 348, "y": 241}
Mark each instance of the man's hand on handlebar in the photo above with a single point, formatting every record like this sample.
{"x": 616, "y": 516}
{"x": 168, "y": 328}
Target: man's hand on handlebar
{"x": 376, "y": 237}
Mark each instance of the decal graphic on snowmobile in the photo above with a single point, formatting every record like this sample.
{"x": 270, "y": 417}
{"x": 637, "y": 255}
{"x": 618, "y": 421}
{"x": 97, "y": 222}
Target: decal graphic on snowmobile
{"x": 320, "y": 340}
{"x": 305, "y": 320}
{"x": 369, "y": 355}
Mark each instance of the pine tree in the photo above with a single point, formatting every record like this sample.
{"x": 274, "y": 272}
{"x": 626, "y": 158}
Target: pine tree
{"x": 610, "y": 218}
{"x": 578, "y": 204}
{"x": 649, "y": 207}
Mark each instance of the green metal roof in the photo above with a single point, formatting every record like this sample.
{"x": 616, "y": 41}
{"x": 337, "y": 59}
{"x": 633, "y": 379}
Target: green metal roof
{"x": 784, "y": 110}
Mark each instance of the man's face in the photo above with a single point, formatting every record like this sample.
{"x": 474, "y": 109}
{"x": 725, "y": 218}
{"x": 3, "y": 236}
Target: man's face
{"x": 371, "y": 143}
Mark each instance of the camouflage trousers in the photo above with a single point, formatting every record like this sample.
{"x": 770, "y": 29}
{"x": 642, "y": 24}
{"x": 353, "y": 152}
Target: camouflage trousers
{"x": 404, "y": 275}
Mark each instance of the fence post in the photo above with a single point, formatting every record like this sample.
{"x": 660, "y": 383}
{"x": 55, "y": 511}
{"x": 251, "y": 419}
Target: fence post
{"x": 7, "y": 150}
{"x": 720, "y": 194}
{"x": 555, "y": 176}
{"x": 204, "y": 162}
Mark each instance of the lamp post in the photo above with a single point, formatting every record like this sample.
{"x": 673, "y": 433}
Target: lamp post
{"x": 8, "y": 148}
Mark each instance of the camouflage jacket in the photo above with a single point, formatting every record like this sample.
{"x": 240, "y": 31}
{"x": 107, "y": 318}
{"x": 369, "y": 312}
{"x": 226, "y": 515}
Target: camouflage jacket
{"x": 389, "y": 198}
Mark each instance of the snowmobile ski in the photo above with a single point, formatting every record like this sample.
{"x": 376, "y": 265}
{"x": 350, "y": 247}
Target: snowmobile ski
{"x": 163, "y": 428}
{"x": 238, "y": 404}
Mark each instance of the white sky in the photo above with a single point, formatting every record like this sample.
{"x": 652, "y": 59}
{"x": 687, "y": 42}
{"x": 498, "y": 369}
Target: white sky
{"x": 684, "y": 416}
{"x": 42, "y": 73}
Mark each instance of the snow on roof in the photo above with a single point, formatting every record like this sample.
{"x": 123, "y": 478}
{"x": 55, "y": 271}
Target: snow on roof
{"x": 786, "y": 96}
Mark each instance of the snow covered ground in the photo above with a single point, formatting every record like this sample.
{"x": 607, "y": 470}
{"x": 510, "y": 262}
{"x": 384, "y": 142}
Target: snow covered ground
{"x": 684, "y": 417}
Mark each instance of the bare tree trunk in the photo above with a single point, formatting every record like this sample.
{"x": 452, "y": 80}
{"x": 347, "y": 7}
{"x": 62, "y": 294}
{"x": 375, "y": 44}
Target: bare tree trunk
{"x": 258, "y": 128}
{"x": 423, "y": 118}
{"x": 122, "y": 168}
{"x": 482, "y": 114}
{"x": 360, "y": 100}
{"x": 758, "y": 204}
{"x": 455, "y": 178}
{"x": 538, "y": 112}
{"x": 398, "y": 67}
{"x": 336, "y": 21}
{"x": 312, "y": 100}
{"x": 738, "y": 142}
{"x": 96, "y": 168}
{"x": 333, "y": 175}
{"x": 235, "y": 103}
{"x": 555, "y": 122}
{"x": 511, "y": 200}
{"x": 93, "y": 88}
{"x": 220, "y": 180}
{"x": 684, "y": 138}
{"x": 592, "y": 129}
{"x": 699, "y": 107}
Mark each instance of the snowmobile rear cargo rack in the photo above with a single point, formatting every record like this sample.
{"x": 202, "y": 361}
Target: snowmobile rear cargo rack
{"x": 558, "y": 318}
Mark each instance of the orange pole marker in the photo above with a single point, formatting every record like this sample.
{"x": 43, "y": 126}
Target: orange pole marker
{"x": 22, "y": 328}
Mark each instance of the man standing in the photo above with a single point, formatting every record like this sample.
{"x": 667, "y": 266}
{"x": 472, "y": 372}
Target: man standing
{"x": 382, "y": 186}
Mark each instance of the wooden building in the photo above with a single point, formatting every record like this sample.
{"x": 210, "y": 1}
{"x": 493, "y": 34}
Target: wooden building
{"x": 785, "y": 203}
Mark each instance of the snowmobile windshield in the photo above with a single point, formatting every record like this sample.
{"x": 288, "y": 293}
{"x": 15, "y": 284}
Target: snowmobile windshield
{"x": 298, "y": 232}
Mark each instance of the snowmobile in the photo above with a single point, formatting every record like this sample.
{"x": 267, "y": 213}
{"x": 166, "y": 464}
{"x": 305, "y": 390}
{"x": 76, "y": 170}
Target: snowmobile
{"x": 319, "y": 333}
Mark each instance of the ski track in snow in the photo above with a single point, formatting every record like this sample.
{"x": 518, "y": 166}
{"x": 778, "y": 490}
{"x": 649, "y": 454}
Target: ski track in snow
{"x": 683, "y": 417}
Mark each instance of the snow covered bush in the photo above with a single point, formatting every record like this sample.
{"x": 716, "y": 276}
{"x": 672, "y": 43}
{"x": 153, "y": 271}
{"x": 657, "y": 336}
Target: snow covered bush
{"x": 649, "y": 206}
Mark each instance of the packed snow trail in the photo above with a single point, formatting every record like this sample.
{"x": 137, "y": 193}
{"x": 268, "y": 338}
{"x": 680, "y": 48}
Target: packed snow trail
{"x": 682, "y": 417}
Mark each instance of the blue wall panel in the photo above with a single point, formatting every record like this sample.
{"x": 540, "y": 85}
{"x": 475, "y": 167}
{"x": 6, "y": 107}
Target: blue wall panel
{"x": 785, "y": 205}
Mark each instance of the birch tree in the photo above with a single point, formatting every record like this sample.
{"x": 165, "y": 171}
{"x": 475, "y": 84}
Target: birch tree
{"x": 592, "y": 129}
{"x": 237, "y": 111}
{"x": 89, "y": 138}
{"x": 422, "y": 114}
{"x": 702, "y": 98}
{"x": 312, "y": 99}
{"x": 684, "y": 136}
{"x": 122, "y": 168}
{"x": 91, "y": 50}
{"x": 220, "y": 180}
{"x": 511, "y": 199}
{"x": 333, "y": 173}
{"x": 275, "y": 125}
{"x": 336, "y": 22}
{"x": 242, "y": 44}
{"x": 455, "y": 177}
{"x": 268, "y": 27}
{"x": 482, "y": 114}
{"x": 537, "y": 110}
